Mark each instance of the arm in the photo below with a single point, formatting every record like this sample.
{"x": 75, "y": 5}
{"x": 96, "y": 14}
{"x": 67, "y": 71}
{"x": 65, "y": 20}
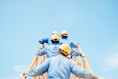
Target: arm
{"x": 80, "y": 72}
{"x": 77, "y": 54}
{"x": 40, "y": 69}
{"x": 74, "y": 53}
{"x": 73, "y": 45}
{"x": 42, "y": 52}
{"x": 44, "y": 40}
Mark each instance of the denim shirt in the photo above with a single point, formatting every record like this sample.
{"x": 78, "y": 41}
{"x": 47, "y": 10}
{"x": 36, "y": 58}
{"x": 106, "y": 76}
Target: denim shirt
{"x": 60, "y": 67}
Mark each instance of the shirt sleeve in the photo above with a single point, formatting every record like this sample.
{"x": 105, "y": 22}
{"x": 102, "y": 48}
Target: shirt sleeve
{"x": 42, "y": 52}
{"x": 41, "y": 69}
{"x": 80, "y": 72}
{"x": 44, "y": 40}
{"x": 74, "y": 53}
{"x": 73, "y": 45}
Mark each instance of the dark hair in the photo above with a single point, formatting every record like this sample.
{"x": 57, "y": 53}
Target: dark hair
{"x": 64, "y": 36}
{"x": 54, "y": 41}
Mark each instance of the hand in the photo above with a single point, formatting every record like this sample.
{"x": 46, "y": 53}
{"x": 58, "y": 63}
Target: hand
{"x": 95, "y": 77}
{"x": 36, "y": 53}
{"x": 42, "y": 46}
{"x": 78, "y": 45}
{"x": 32, "y": 72}
{"x": 83, "y": 55}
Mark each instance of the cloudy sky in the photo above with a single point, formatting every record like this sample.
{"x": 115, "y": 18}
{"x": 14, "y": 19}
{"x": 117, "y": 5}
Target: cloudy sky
{"x": 92, "y": 23}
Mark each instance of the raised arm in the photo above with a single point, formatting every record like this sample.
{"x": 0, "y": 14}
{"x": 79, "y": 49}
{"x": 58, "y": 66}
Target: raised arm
{"x": 40, "y": 70}
{"x": 41, "y": 52}
{"x": 44, "y": 40}
{"x": 80, "y": 72}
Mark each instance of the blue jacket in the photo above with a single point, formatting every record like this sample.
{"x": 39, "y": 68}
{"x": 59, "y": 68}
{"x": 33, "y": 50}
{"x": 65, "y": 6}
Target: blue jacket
{"x": 60, "y": 67}
{"x": 50, "y": 50}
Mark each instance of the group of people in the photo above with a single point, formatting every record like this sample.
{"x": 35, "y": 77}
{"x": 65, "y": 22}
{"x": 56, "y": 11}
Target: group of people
{"x": 54, "y": 42}
{"x": 59, "y": 63}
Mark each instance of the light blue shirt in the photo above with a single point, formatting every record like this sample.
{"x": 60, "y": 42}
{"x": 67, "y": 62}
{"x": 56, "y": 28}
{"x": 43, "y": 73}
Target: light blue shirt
{"x": 50, "y": 50}
{"x": 60, "y": 67}
{"x": 73, "y": 53}
{"x": 65, "y": 40}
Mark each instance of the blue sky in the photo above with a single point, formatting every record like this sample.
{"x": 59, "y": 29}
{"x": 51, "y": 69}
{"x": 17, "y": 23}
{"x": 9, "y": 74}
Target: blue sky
{"x": 92, "y": 23}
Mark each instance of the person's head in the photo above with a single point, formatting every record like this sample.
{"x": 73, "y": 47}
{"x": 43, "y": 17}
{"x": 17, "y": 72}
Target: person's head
{"x": 55, "y": 38}
{"x": 55, "y": 32}
{"x": 64, "y": 34}
{"x": 64, "y": 49}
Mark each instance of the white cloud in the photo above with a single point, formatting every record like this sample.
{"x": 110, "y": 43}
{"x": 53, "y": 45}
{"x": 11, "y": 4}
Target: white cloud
{"x": 111, "y": 60}
{"x": 11, "y": 77}
{"x": 17, "y": 71}
{"x": 19, "y": 68}
{"x": 108, "y": 77}
{"x": 14, "y": 77}
{"x": 110, "y": 63}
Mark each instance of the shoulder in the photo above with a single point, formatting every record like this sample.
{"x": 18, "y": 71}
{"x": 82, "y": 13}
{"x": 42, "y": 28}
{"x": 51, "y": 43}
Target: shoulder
{"x": 72, "y": 62}
{"x": 49, "y": 59}
{"x": 53, "y": 59}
